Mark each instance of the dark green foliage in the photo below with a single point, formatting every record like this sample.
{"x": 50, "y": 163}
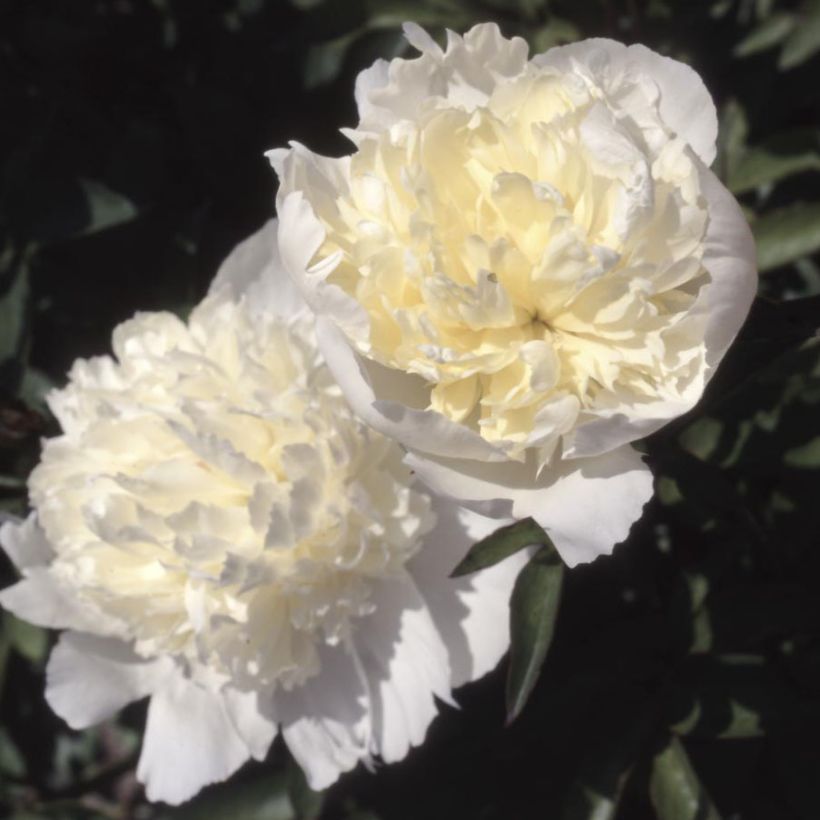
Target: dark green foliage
{"x": 533, "y": 610}
{"x": 683, "y": 673}
{"x": 501, "y": 544}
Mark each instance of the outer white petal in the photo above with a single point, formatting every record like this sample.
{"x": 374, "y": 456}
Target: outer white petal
{"x": 465, "y": 74}
{"x": 254, "y": 269}
{"x": 40, "y": 599}
{"x": 327, "y": 721}
{"x": 300, "y": 236}
{"x": 471, "y": 613}
{"x": 25, "y": 543}
{"x": 89, "y": 678}
{"x": 685, "y": 104}
{"x": 406, "y": 663}
{"x": 390, "y": 401}
{"x": 730, "y": 258}
{"x": 587, "y": 506}
{"x": 252, "y": 716}
{"x": 190, "y": 742}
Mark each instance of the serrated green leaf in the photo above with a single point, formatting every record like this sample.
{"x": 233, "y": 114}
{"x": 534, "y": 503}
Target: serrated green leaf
{"x": 804, "y": 42}
{"x": 765, "y": 35}
{"x": 779, "y": 158}
{"x": 500, "y": 545}
{"x": 787, "y": 234}
{"x": 533, "y": 610}
{"x": 674, "y": 787}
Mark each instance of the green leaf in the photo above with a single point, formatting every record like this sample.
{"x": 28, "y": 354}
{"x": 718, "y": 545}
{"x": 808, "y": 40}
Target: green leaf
{"x": 766, "y": 35}
{"x": 263, "y": 798}
{"x": 728, "y": 697}
{"x": 597, "y": 790}
{"x": 500, "y": 545}
{"x": 782, "y": 156}
{"x": 533, "y": 610}
{"x": 732, "y": 134}
{"x": 307, "y": 804}
{"x": 556, "y": 32}
{"x": 806, "y": 456}
{"x": 11, "y": 761}
{"x": 106, "y": 208}
{"x": 324, "y": 61}
{"x": 14, "y": 296}
{"x": 34, "y": 388}
{"x": 787, "y": 234}
{"x": 29, "y": 640}
{"x": 804, "y": 42}
{"x": 674, "y": 787}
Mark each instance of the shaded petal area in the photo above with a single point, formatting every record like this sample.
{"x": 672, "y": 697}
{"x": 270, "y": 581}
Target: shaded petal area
{"x": 190, "y": 742}
{"x": 587, "y": 506}
{"x": 472, "y": 612}
{"x": 89, "y": 678}
{"x": 327, "y": 721}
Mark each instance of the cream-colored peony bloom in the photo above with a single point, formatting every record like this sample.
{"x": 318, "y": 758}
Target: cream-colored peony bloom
{"x": 217, "y": 531}
{"x": 524, "y": 266}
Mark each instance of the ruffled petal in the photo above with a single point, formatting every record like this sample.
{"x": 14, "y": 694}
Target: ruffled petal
{"x": 684, "y": 104}
{"x": 465, "y": 74}
{"x": 587, "y": 506}
{"x": 390, "y": 401}
{"x": 327, "y": 721}
{"x": 253, "y": 718}
{"x": 300, "y": 236}
{"x": 471, "y": 613}
{"x": 40, "y": 599}
{"x": 190, "y": 742}
{"x": 90, "y": 678}
{"x": 730, "y": 257}
{"x": 406, "y": 663}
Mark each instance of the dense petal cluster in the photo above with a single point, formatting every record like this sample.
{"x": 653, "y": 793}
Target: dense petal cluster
{"x": 267, "y": 513}
{"x": 528, "y": 260}
{"x": 220, "y": 532}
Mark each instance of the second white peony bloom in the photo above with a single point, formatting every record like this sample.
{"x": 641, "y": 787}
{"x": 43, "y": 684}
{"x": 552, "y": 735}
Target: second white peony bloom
{"x": 525, "y": 266}
{"x": 216, "y": 530}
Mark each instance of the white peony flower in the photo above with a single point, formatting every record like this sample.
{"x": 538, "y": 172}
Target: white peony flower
{"x": 524, "y": 266}
{"x": 217, "y": 531}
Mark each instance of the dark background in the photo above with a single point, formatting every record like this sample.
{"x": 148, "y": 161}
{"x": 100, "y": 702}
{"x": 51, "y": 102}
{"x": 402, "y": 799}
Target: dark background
{"x": 684, "y": 677}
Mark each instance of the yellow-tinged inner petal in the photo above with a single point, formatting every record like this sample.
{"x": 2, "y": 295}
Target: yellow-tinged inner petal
{"x": 527, "y": 251}
{"x": 213, "y": 495}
